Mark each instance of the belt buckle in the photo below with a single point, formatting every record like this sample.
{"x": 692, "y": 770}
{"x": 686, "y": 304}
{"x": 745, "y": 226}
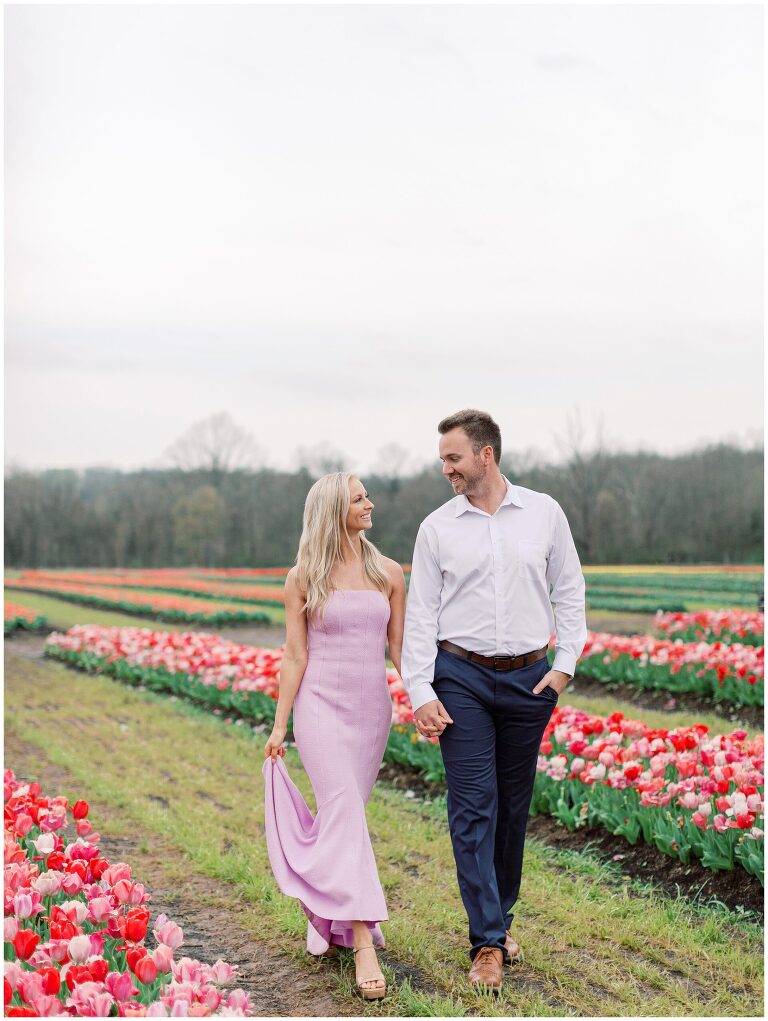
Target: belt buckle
{"x": 507, "y": 660}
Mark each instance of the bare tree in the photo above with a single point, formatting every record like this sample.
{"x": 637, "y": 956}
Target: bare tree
{"x": 215, "y": 444}
{"x": 321, "y": 459}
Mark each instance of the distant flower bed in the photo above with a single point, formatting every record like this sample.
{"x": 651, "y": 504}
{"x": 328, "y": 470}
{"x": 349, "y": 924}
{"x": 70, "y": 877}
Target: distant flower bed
{"x": 21, "y": 617}
{"x": 166, "y": 581}
{"x": 729, "y": 626}
{"x": 75, "y": 926}
{"x": 163, "y": 607}
{"x": 636, "y": 781}
{"x": 731, "y": 674}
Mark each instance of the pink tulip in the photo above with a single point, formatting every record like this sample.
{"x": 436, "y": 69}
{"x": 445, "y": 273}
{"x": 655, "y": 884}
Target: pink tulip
{"x": 22, "y": 905}
{"x": 169, "y": 933}
{"x": 44, "y": 844}
{"x": 689, "y": 800}
{"x": 100, "y": 908}
{"x": 71, "y": 883}
{"x": 129, "y": 893}
{"x": 116, "y": 872}
{"x": 55, "y": 819}
{"x": 49, "y": 1006}
{"x": 90, "y": 1000}
{"x": 157, "y": 1009}
{"x": 13, "y": 972}
{"x": 79, "y": 949}
{"x": 42, "y": 958}
{"x": 120, "y": 985}
{"x": 188, "y": 970}
{"x": 162, "y": 955}
{"x": 75, "y": 911}
{"x": 221, "y": 972}
{"x": 47, "y": 883}
{"x": 23, "y": 823}
{"x": 238, "y": 1000}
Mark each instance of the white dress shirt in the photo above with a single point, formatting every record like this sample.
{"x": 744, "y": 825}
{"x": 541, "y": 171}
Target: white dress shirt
{"x": 490, "y": 583}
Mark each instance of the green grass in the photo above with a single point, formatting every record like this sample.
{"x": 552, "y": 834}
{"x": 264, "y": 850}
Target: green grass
{"x": 593, "y": 944}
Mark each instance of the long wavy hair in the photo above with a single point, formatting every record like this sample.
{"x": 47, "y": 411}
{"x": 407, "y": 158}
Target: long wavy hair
{"x": 324, "y": 539}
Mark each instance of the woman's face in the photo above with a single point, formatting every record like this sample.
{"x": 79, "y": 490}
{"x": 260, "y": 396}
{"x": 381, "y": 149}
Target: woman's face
{"x": 360, "y": 507}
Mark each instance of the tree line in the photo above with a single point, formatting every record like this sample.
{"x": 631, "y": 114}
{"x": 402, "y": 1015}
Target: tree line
{"x": 702, "y": 506}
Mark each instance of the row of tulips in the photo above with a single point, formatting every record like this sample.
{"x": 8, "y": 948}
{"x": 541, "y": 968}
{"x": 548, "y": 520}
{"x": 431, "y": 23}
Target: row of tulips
{"x": 17, "y": 617}
{"x": 181, "y": 609}
{"x": 731, "y": 674}
{"x": 617, "y": 773}
{"x": 159, "y": 581}
{"x": 730, "y": 626}
{"x": 75, "y": 926}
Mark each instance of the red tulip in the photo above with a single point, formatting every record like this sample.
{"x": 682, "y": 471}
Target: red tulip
{"x": 75, "y": 974}
{"x": 7, "y": 991}
{"x": 57, "y": 860}
{"x": 133, "y": 955}
{"x": 99, "y": 969}
{"x": 80, "y": 809}
{"x": 51, "y": 980}
{"x": 145, "y": 970}
{"x": 98, "y": 867}
{"x": 25, "y": 942}
{"x": 133, "y": 926}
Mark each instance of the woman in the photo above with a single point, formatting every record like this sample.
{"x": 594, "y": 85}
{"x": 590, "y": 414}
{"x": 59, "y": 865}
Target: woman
{"x": 344, "y": 602}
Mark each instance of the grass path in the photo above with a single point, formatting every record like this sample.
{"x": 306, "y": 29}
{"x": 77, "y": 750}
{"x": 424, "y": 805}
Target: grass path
{"x": 594, "y": 945}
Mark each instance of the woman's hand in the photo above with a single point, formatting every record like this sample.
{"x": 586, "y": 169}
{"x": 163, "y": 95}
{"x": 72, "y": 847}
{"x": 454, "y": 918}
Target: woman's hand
{"x": 274, "y": 745}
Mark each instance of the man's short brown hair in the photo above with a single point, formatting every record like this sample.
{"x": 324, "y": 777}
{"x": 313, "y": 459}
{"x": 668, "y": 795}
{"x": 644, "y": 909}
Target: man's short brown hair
{"x": 480, "y": 428}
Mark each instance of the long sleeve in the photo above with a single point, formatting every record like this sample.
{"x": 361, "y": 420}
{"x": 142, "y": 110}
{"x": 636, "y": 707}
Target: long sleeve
{"x": 567, "y": 596}
{"x": 420, "y": 636}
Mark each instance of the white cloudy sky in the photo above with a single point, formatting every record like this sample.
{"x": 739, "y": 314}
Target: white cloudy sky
{"x": 341, "y": 223}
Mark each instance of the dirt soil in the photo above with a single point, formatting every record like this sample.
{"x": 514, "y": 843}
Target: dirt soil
{"x": 277, "y": 985}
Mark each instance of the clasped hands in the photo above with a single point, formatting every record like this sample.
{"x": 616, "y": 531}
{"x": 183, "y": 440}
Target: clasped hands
{"x": 432, "y": 718}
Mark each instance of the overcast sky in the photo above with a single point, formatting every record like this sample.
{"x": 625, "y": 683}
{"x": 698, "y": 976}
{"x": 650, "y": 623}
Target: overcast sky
{"x": 341, "y": 223}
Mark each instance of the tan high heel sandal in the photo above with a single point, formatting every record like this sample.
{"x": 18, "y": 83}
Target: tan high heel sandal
{"x": 370, "y": 994}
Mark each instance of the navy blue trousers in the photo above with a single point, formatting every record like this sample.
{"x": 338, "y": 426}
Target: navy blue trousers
{"x": 490, "y": 753}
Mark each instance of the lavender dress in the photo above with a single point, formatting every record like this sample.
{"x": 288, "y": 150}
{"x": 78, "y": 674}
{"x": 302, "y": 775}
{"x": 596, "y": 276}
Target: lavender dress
{"x": 341, "y": 721}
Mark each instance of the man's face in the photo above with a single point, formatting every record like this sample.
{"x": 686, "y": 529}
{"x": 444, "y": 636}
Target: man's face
{"x": 464, "y": 469}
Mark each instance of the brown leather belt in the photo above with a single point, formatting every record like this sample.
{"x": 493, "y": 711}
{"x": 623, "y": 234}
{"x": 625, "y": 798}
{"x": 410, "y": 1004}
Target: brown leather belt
{"x": 495, "y": 662}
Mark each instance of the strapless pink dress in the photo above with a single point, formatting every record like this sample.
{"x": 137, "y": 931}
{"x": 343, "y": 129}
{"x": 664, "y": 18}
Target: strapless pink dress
{"x": 341, "y": 720}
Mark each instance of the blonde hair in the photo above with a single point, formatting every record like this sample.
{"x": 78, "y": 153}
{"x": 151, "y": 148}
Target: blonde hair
{"x": 324, "y": 538}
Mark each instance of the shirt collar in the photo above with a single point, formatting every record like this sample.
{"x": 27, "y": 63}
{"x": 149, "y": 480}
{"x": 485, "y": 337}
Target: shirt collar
{"x": 512, "y": 497}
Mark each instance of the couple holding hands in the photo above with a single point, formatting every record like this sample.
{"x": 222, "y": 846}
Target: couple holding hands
{"x": 492, "y": 569}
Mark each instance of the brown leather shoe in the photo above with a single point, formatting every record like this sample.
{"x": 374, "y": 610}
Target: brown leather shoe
{"x": 515, "y": 954}
{"x": 486, "y": 968}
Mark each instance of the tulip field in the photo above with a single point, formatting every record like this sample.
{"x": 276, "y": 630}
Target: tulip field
{"x": 76, "y": 923}
{"x": 682, "y": 790}
{"x": 141, "y": 603}
{"x": 166, "y": 715}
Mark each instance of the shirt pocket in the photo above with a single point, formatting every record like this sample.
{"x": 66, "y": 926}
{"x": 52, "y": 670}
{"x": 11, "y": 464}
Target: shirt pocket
{"x": 531, "y": 559}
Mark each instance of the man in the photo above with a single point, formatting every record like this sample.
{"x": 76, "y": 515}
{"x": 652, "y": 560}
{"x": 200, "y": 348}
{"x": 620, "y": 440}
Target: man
{"x": 488, "y": 569}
